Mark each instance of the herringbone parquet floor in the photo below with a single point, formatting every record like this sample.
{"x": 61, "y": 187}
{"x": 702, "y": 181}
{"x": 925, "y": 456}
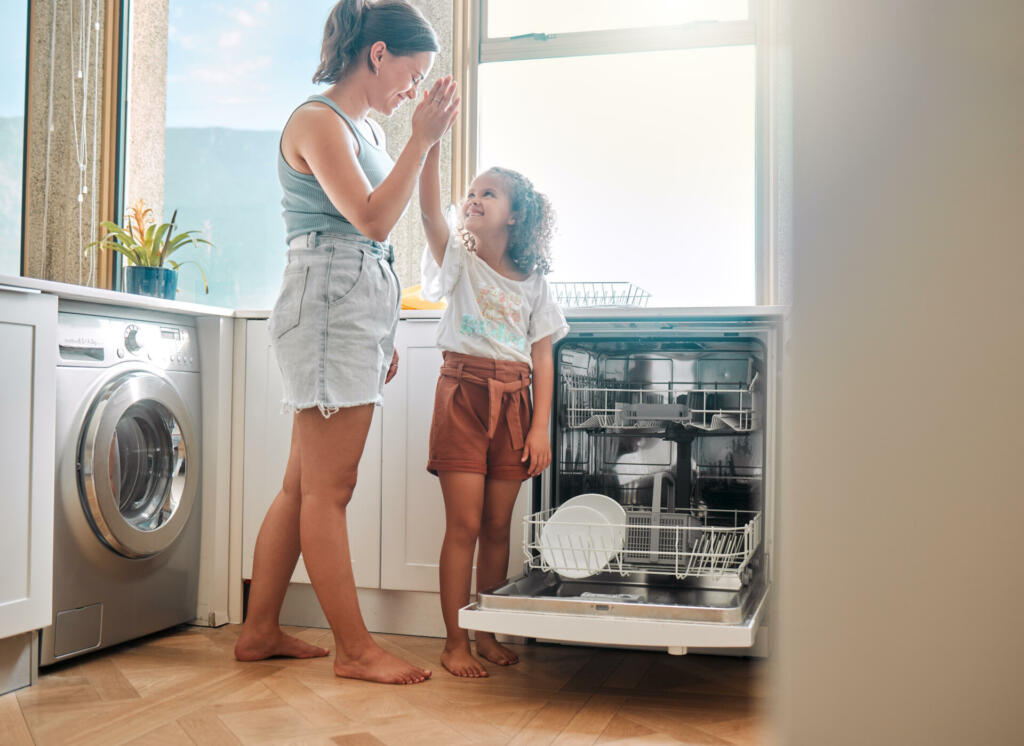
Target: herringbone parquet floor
{"x": 184, "y": 687}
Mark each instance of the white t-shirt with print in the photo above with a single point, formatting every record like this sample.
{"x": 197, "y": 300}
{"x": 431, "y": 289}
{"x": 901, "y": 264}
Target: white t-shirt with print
{"x": 488, "y": 314}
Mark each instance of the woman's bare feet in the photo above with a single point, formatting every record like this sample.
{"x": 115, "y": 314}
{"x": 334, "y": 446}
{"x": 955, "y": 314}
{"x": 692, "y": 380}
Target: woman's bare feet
{"x": 376, "y": 664}
{"x": 490, "y": 649}
{"x": 459, "y": 661}
{"x": 252, "y": 646}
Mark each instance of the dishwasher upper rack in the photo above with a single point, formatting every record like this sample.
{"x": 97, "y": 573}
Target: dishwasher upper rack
{"x": 708, "y": 543}
{"x": 600, "y": 404}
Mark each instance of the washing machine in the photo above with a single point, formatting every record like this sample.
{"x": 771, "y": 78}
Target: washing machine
{"x": 126, "y": 512}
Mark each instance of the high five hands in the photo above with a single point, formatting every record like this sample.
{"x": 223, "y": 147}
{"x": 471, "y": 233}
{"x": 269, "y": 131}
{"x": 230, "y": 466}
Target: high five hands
{"x": 436, "y": 111}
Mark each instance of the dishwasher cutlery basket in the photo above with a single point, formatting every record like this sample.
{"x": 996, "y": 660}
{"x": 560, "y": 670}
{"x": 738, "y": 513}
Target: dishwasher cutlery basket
{"x": 680, "y": 543}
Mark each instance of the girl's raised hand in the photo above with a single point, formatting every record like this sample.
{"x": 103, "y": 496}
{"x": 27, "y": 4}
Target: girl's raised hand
{"x": 436, "y": 112}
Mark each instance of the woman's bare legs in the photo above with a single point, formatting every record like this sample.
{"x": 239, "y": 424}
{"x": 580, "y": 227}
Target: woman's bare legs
{"x": 330, "y": 449}
{"x": 492, "y": 559}
{"x": 463, "y": 507}
{"x": 277, "y": 551}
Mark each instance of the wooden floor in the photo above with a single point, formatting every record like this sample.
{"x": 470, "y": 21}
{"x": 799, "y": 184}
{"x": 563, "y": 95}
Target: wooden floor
{"x": 185, "y": 687}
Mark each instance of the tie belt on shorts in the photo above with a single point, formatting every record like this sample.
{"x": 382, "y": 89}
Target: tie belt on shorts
{"x": 367, "y": 245}
{"x": 496, "y": 391}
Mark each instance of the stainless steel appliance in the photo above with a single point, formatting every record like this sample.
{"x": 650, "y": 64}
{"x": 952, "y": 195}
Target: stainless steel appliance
{"x": 674, "y": 415}
{"x": 126, "y": 513}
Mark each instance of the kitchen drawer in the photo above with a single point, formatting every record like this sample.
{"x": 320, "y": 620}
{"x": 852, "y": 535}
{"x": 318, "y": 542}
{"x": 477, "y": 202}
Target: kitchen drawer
{"x": 540, "y": 605}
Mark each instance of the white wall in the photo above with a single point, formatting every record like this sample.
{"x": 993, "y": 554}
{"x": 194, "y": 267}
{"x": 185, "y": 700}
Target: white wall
{"x": 901, "y": 580}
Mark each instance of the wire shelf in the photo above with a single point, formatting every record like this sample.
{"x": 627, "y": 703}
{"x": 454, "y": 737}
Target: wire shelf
{"x": 595, "y": 404}
{"x": 591, "y": 294}
{"x": 684, "y": 544}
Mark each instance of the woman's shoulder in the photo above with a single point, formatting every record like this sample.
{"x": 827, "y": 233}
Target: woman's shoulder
{"x": 312, "y": 112}
{"x": 314, "y": 125}
{"x": 317, "y": 116}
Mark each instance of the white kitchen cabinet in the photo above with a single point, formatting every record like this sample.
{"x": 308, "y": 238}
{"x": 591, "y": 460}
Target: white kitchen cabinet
{"x": 412, "y": 508}
{"x": 267, "y": 433}
{"x": 28, "y": 338}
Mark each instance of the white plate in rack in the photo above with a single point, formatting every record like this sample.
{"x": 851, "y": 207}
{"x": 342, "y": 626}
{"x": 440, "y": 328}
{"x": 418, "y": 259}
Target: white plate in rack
{"x": 606, "y": 506}
{"x": 577, "y": 541}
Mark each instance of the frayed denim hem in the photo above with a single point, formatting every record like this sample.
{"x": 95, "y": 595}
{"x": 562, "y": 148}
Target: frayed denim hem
{"x": 326, "y": 409}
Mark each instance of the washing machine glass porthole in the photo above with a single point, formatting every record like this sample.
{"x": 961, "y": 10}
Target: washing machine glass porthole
{"x": 138, "y": 467}
{"x": 147, "y": 465}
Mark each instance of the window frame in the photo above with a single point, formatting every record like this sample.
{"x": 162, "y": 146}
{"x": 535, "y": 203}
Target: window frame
{"x": 114, "y": 140}
{"x": 472, "y": 48}
{"x": 26, "y": 150}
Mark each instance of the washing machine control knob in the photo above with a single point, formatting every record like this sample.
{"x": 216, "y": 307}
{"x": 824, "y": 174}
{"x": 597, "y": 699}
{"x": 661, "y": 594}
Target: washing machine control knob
{"x": 131, "y": 338}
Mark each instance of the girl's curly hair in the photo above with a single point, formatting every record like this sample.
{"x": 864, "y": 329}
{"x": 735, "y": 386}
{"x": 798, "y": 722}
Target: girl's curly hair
{"x": 529, "y": 238}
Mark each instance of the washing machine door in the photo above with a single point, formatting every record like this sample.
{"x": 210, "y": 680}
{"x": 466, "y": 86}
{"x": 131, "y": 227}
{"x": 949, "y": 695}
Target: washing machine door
{"x": 138, "y": 464}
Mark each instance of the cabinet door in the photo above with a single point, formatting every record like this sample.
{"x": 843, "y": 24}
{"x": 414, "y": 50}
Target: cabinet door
{"x": 28, "y": 394}
{"x": 412, "y": 508}
{"x": 268, "y": 434}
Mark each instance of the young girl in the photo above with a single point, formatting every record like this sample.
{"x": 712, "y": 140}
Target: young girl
{"x": 500, "y": 323}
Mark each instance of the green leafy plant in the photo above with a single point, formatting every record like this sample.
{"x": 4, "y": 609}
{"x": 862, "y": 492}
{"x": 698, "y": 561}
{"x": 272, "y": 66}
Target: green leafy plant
{"x": 144, "y": 243}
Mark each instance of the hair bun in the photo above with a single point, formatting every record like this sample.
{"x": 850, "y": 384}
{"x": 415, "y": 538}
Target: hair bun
{"x": 353, "y": 15}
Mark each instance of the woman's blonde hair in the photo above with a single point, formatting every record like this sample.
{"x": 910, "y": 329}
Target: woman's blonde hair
{"x": 529, "y": 237}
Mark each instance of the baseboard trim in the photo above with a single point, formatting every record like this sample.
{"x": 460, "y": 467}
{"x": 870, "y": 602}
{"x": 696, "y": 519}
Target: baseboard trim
{"x": 387, "y": 612}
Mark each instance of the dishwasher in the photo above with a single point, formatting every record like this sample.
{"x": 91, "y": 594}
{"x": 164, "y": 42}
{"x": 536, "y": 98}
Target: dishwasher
{"x": 674, "y": 416}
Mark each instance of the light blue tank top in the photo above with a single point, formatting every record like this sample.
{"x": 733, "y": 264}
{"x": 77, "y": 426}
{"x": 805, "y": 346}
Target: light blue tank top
{"x": 306, "y": 206}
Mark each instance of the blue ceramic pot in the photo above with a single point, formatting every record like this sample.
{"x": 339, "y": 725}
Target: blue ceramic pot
{"x": 156, "y": 282}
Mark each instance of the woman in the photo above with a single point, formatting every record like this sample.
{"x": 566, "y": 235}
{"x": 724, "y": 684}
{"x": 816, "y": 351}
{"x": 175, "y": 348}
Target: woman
{"x": 334, "y": 321}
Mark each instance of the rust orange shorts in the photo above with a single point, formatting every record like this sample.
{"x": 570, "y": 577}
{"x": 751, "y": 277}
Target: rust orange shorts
{"x": 482, "y": 413}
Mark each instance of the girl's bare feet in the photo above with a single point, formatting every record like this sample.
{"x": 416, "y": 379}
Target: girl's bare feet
{"x": 376, "y": 664}
{"x": 252, "y": 646}
{"x": 459, "y": 661}
{"x": 491, "y": 650}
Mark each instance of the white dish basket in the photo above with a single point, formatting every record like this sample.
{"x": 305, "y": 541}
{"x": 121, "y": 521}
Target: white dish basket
{"x": 681, "y": 543}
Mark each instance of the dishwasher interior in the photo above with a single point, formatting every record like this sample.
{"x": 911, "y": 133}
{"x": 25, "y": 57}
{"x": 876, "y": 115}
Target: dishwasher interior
{"x": 673, "y": 430}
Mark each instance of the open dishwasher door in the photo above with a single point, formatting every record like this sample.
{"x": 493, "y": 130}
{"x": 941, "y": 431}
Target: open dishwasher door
{"x": 542, "y": 608}
{"x": 673, "y": 416}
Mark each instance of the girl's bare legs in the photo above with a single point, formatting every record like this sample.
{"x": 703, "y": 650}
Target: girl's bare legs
{"x": 463, "y": 507}
{"x": 277, "y": 551}
{"x": 329, "y": 456}
{"x": 492, "y": 559}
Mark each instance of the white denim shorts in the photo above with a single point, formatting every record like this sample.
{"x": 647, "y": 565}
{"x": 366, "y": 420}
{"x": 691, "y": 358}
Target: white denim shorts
{"x": 333, "y": 325}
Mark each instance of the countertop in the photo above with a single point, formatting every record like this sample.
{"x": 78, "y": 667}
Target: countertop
{"x": 115, "y": 298}
{"x": 111, "y": 297}
{"x": 611, "y": 313}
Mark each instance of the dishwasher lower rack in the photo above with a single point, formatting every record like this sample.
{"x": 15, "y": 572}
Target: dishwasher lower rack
{"x": 714, "y": 546}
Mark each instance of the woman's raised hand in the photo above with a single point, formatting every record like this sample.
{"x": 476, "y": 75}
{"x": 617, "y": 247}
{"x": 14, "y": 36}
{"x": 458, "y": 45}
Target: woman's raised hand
{"x": 436, "y": 112}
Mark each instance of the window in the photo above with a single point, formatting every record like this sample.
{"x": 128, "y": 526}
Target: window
{"x": 13, "y": 59}
{"x": 235, "y": 71}
{"x": 640, "y": 122}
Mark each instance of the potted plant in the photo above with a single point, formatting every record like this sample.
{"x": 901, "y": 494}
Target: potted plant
{"x": 147, "y": 248}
